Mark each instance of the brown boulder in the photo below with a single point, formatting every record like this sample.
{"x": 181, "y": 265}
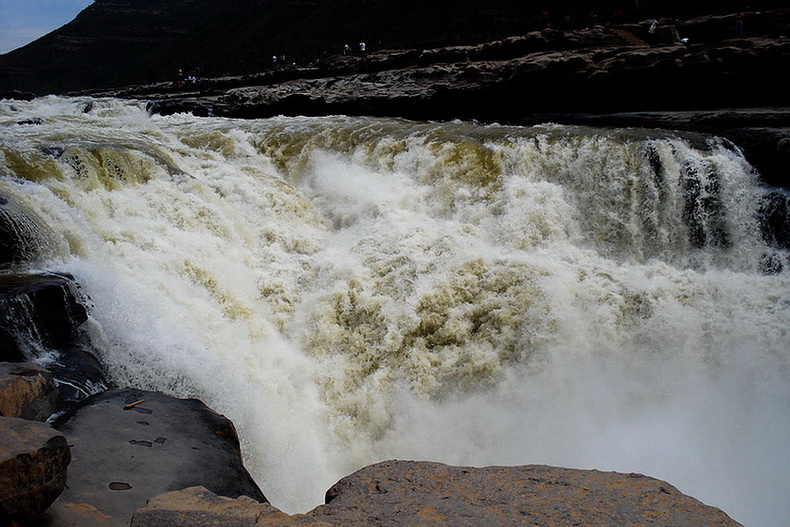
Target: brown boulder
{"x": 33, "y": 463}
{"x": 26, "y": 391}
{"x": 423, "y": 493}
{"x": 198, "y": 506}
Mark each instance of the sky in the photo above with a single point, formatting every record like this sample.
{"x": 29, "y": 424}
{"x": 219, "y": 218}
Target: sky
{"x": 23, "y": 21}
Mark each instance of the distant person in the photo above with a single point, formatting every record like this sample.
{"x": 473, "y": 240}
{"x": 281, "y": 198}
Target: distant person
{"x": 274, "y": 61}
{"x": 362, "y": 48}
{"x": 739, "y": 25}
{"x": 346, "y": 49}
{"x": 653, "y": 27}
{"x": 652, "y": 32}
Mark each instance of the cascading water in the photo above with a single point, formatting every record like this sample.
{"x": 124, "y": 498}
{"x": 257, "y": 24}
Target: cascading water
{"x": 349, "y": 290}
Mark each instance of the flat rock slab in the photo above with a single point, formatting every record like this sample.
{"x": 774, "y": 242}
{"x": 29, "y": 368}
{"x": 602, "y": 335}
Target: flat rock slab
{"x": 26, "y": 391}
{"x": 197, "y": 506}
{"x": 124, "y": 453}
{"x": 422, "y": 493}
{"x": 34, "y": 459}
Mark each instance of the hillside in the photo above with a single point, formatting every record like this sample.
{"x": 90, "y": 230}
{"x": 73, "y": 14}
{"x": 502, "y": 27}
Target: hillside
{"x": 121, "y": 42}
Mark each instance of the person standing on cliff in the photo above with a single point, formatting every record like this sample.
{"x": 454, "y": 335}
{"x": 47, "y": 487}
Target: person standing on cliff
{"x": 739, "y": 25}
{"x": 652, "y": 32}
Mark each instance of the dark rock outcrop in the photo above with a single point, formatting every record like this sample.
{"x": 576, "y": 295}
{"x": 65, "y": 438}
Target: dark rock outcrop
{"x": 43, "y": 315}
{"x": 46, "y": 306}
{"x": 21, "y": 237}
{"x": 17, "y": 95}
{"x": 34, "y": 459}
{"x": 592, "y": 76}
{"x": 124, "y": 453}
{"x": 199, "y": 507}
{"x": 26, "y": 391}
{"x": 423, "y": 493}
{"x": 775, "y": 216}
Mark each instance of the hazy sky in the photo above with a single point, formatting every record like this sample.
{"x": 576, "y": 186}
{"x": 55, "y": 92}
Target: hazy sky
{"x": 22, "y": 21}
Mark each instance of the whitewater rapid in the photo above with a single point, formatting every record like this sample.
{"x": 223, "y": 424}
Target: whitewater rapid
{"x": 349, "y": 290}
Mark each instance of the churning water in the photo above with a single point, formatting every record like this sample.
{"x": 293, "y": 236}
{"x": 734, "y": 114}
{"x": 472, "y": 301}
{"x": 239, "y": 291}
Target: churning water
{"x": 349, "y": 290}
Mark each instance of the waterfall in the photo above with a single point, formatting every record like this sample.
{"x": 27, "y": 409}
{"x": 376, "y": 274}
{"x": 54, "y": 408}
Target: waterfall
{"x": 348, "y": 290}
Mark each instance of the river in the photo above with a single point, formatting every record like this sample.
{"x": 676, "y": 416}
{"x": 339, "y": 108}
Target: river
{"x": 350, "y": 290}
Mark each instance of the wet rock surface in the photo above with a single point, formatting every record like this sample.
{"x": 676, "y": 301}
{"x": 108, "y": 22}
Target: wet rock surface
{"x": 124, "y": 453}
{"x": 20, "y": 235}
{"x": 43, "y": 314}
{"x": 34, "y": 459}
{"x": 48, "y": 303}
{"x": 424, "y": 493}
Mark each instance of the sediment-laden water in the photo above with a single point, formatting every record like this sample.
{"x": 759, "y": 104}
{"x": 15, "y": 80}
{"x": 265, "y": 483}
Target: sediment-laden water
{"x": 349, "y": 290}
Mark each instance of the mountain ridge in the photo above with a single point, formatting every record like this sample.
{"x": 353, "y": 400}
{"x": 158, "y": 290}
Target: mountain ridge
{"x": 121, "y": 42}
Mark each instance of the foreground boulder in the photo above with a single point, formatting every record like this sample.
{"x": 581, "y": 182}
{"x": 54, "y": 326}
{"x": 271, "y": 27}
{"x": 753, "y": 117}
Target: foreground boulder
{"x": 34, "y": 459}
{"x": 129, "y": 445}
{"x": 26, "y": 391}
{"x": 422, "y": 493}
{"x": 197, "y": 506}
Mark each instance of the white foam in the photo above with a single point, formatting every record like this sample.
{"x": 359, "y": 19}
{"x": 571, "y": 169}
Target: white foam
{"x": 349, "y": 290}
